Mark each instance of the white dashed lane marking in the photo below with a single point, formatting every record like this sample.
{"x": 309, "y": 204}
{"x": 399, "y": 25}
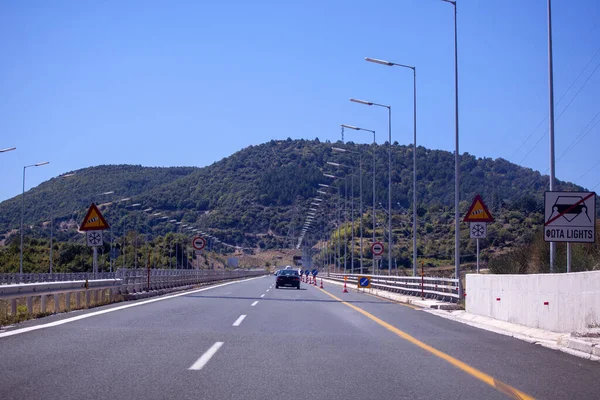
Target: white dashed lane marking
{"x": 239, "y": 320}
{"x": 201, "y": 362}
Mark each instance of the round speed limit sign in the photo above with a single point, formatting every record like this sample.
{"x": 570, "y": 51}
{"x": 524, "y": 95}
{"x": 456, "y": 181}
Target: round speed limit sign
{"x": 198, "y": 243}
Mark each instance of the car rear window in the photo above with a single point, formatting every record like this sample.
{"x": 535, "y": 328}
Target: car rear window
{"x": 288, "y": 272}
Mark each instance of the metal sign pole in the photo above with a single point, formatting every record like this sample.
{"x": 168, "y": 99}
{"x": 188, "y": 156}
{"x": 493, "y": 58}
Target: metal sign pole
{"x": 95, "y": 261}
{"x": 568, "y": 256}
{"x": 477, "y": 255}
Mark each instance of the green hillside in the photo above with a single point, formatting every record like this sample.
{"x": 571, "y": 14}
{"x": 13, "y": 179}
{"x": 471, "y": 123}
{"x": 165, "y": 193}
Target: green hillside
{"x": 259, "y": 196}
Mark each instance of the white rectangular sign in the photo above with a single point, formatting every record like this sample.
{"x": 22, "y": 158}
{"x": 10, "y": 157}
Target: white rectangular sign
{"x": 94, "y": 238}
{"x": 570, "y": 217}
{"x": 478, "y": 230}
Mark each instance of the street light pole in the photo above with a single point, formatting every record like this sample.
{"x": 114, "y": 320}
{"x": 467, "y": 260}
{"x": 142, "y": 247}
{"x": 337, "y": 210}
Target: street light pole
{"x": 414, "y": 69}
{"x": 374, "y": 144}
{"x": 390, "y": 241}
{"x": 23, "y": 212}
{"x": 338, "y": 149}
{"x": 456, "y": 162}
{"x": 551, "y": 128}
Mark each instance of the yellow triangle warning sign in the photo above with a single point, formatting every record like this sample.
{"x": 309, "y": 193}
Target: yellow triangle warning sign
{"x": 93, "y": 221}
{"x": 478, "y": 212}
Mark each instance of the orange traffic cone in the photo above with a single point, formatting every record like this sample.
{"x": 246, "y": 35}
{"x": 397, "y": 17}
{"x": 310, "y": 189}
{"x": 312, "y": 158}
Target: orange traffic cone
{"x": 321, "y": 283}
{"x": 345, "y": 289}
{"x": 315, "y": 281}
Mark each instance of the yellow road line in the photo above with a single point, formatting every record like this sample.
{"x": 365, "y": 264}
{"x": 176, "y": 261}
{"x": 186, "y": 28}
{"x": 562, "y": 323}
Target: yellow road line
{"x": 498, "y": 385}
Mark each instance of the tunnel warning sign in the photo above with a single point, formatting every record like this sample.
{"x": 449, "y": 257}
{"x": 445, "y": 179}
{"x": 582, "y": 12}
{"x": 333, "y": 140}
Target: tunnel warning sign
{"x": 570, "y": 217}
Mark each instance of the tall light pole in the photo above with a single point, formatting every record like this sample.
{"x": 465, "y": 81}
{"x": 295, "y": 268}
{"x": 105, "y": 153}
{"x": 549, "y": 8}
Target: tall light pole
{"x": 390, "y": 240}
{"x": 414, "y": 69}
{"x": 551, "y": 128}
{"x": 374, "y": 144}
{"x": 456, "y": 162}
{"x": 338, "y": 165}
{"x": 339, "y": 220}
{"x": 340, "y": 150}
{"x": 23, "y": 212}
{"x": 52, "y": 227}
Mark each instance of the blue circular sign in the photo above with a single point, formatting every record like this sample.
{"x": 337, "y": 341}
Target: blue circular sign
{"x": 364, "y": 282}
{"x": 301, "y": 272}
{"x": 315, "y": 272}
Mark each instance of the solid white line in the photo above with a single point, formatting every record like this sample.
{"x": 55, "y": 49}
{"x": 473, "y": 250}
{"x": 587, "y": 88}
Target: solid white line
{"x": 262, "y": 295}
{"x": 239, "y": 320}
{"x": 253, "y": 304}
{"x": 198, "y": 365}
{"x": 93, "y": 314}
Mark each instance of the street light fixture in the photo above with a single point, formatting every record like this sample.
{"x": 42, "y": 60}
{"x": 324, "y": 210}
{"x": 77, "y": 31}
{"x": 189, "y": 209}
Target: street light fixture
{"x": 23, "y": 212}
{"x": 7, "y": 149}
{"x": 456, "y": 162}
{"x": 52, "y": 228}
{"x": 389, "y": 108}
{"x": 392, "y": 64}
{"x": 341, "y": 150}
{"x": 373, "y": 173}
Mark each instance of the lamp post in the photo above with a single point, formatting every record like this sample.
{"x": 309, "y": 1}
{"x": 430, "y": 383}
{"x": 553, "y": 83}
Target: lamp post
{"x": 340, "y": 150}
{"x": 389, "y": 108}
{"x": 338, "y": 165}
{"x": 23, "y": 212}
{"x": 374, "y": 143}
{"x": 136, "y": 235}
{"x": 456, "y": 164}
{"x": 551, "y": 129}
{"x": 52, "y": 227}
{"x": 339, "y": 220}
{"x": 392, "y": 64}
{"x": 7, "y": 149}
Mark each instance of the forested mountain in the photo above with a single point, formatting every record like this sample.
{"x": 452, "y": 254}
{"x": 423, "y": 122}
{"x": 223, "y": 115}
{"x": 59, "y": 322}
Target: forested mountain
{"x": 259, "y": 196}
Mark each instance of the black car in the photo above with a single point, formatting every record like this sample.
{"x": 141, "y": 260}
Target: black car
{"x": 287, "y": 277}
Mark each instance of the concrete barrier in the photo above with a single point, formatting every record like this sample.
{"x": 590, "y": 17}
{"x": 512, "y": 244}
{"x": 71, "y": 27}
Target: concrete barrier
{"x": 554, "y": 302}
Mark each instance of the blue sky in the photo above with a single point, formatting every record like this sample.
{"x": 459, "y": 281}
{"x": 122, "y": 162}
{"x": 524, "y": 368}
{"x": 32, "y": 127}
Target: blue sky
{"x": 162, "y": 83}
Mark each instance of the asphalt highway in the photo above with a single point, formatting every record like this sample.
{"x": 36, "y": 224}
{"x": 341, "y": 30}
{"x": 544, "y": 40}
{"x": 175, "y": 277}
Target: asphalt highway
{"x": 247, "y": 340}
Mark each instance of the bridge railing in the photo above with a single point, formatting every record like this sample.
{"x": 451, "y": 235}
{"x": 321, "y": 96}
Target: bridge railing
{"x": 444, "y": 289}
{"x": 7, "y": 279}
{"x": 98, "y": 289}
{"x": 123, "y": 282}
{"x": 136, "y": 280}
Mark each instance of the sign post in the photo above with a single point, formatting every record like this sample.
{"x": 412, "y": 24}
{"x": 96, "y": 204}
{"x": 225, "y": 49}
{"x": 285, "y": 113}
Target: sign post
{"x": 93, "y": 224}
{"x": 569, "y": 217}
{"x": 377, "y": 249}
{"x": 478, "y": 216}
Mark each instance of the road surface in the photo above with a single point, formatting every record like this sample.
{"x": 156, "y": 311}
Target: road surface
{"x": 247, "y": 340}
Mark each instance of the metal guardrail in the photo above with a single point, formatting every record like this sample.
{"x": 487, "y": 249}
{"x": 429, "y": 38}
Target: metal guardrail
{"x": 140, "y": 280}
{"x": 97, "y": 288}
{"x": 7, "y": 279}
{"x": 445, "y": 289}
{"x": 124, "y": 282}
